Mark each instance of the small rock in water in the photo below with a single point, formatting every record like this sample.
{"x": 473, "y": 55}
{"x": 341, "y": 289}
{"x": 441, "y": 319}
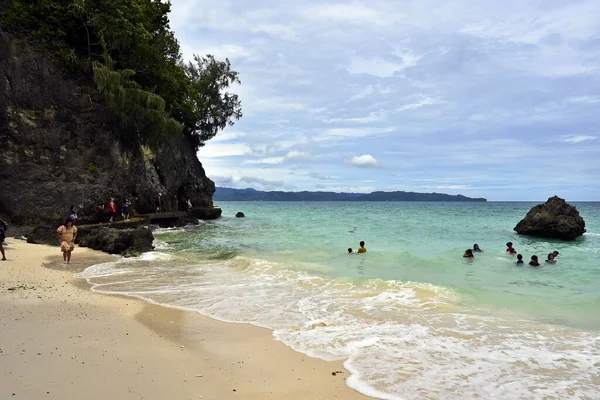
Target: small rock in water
{"x": 240, "y": 215}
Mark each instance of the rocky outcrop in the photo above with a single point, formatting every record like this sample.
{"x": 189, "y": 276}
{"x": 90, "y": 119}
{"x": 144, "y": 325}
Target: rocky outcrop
{"x": 553, "y": 219}
{"x": 59, "y": 147}
{"x": 240, "y": 215}
{"x": 43, "y": 234}
{"x": 127, "y": 242}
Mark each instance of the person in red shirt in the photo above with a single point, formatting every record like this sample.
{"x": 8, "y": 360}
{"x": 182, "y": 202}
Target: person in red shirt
{"x": 112, "y": 209}
{"x": 534, "y": 261}
{"x": 510, "y": 249}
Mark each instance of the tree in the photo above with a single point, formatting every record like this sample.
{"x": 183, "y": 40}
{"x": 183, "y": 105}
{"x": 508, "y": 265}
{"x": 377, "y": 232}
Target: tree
{"x": 209, "y": 107}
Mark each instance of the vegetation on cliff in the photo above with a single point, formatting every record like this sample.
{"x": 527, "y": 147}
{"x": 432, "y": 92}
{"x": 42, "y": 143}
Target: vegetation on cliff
{"x": 131, "y": 52}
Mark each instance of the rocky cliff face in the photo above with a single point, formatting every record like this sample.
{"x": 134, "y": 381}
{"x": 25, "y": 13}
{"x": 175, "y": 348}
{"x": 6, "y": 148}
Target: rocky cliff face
{"x": 59, "y": 147}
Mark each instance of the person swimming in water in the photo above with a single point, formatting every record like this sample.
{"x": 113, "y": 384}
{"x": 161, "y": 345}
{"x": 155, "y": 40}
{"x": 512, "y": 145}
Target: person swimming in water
{"x": 510, "y": 249}
{"x": 534, "y": 261}
{"x": 551, "y": 259}
{"x": 555, "y": 254}
{"x": 519, "y": 259}
{"x": 350, "y": 251}
{"x": 362, "y": 248}
{"x": 468, "y": 254}
{"x": 477, "y": 249}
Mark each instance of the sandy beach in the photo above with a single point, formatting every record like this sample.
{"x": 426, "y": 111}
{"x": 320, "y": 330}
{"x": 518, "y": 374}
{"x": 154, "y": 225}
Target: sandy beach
{"x": 59, "y": 340}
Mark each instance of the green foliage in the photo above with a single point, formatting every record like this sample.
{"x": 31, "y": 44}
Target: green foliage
{"x": 141, "y": 113}
{"x": 210, "y": 108}
{"x": 93, "y": 168}
{"x": 136, "y": 62}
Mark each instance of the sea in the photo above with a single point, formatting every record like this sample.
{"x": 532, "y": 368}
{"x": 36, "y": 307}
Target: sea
{"x": 411, "y": 318}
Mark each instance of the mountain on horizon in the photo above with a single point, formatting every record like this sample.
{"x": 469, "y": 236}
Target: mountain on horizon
{"x": 249, "y": 194}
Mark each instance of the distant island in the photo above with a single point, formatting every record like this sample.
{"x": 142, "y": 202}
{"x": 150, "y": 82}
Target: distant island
{"x": 228, "y": 194}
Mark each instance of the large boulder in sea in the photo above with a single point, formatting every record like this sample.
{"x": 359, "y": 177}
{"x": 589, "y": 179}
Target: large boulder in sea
{"x": 553, "y": 219}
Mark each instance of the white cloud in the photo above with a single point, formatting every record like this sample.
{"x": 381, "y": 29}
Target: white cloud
{"x": 297, "y": 155}
{"x": 379, "y": 67}
{"x": 584, "y": 100}
{"x": 352, "y": 12}
{"x": 578, "y": 138}
{"x": 262, "y": 184}
{"x": 453, "y": 187}
{"x": 374, "y": 116}
{"x": 227, "y": 136}
{"x": 365, "y": 92}
{"x": 268, "y": 160}
{"x": 216, "y": 149}
{"x": 477, "y": 117}
{"x": 358, "y": 132}
{"x": 425, "y": 101}
{"x": 364, "y": 161}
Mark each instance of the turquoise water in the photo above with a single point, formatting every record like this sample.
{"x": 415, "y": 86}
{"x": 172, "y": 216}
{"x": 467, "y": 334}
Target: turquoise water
{"x": 412, "y": 318}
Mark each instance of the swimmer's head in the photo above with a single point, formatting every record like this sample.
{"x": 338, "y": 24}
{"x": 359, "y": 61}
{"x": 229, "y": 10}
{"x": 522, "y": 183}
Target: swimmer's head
{"x": 534, "y": 258}
{"x": 362, "y": 244}
{"x": 349, "y": 249}
{"x": 509, "y": 244}
{"x": 555, "y": 253}
{"x": 519, "y": 257}
{"x": 476, "y": 247}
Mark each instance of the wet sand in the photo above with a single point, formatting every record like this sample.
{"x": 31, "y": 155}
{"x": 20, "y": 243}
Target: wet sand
{"x": 59, "y": 340}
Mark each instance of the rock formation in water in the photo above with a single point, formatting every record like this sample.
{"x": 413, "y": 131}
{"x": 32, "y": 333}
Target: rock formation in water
{"x": 553, "y": 219}
{"x": 240, "y": 214}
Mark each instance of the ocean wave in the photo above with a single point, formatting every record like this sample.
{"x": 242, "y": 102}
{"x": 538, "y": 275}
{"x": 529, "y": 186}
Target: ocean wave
{"x": 399, "y": 339}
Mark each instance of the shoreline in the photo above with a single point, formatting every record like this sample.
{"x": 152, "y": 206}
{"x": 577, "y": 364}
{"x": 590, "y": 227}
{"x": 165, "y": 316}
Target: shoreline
{"x": 59, "y": 339}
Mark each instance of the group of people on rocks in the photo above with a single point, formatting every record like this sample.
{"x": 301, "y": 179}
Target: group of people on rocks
{"x": 512, "y": 251}
{"x": 112, "y": 210}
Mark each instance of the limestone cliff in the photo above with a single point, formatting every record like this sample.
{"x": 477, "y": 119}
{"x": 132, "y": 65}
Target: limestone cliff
{"x": 59, "y": 147}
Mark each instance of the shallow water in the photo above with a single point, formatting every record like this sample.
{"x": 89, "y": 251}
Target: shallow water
{"x": 412, "y": 317}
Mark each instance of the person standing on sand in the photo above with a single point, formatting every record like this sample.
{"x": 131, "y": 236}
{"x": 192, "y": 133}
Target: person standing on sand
{"x": 3, "y": 228}
{"x": 67, "y": 234}
{"x": 112, "y": 209}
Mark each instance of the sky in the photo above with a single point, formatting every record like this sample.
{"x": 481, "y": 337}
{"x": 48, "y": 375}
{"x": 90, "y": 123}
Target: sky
{"x": 485, "y": 98}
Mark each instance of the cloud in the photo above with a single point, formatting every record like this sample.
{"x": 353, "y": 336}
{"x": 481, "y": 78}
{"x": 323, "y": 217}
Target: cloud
{"x": 290, "y": 156}
{"x": 358, "y": 132}
{"x": 262, "y": 184}
{"x": 578, "y": 138}
{"x": 224, "y": 150}
{"x": 297, "y": 156}
{"x": 584, "y": 100}
{"x": 352, "y": 12}
{"x": 374, "y": 116}
{"x": 364, "y": 161}
{"x": 320, "y": 177}
{"x": 453, "y": 187}
{"x": 429, "y": 97}
{"x": 379, "y": 67}
{"x": 269, "y": 160}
